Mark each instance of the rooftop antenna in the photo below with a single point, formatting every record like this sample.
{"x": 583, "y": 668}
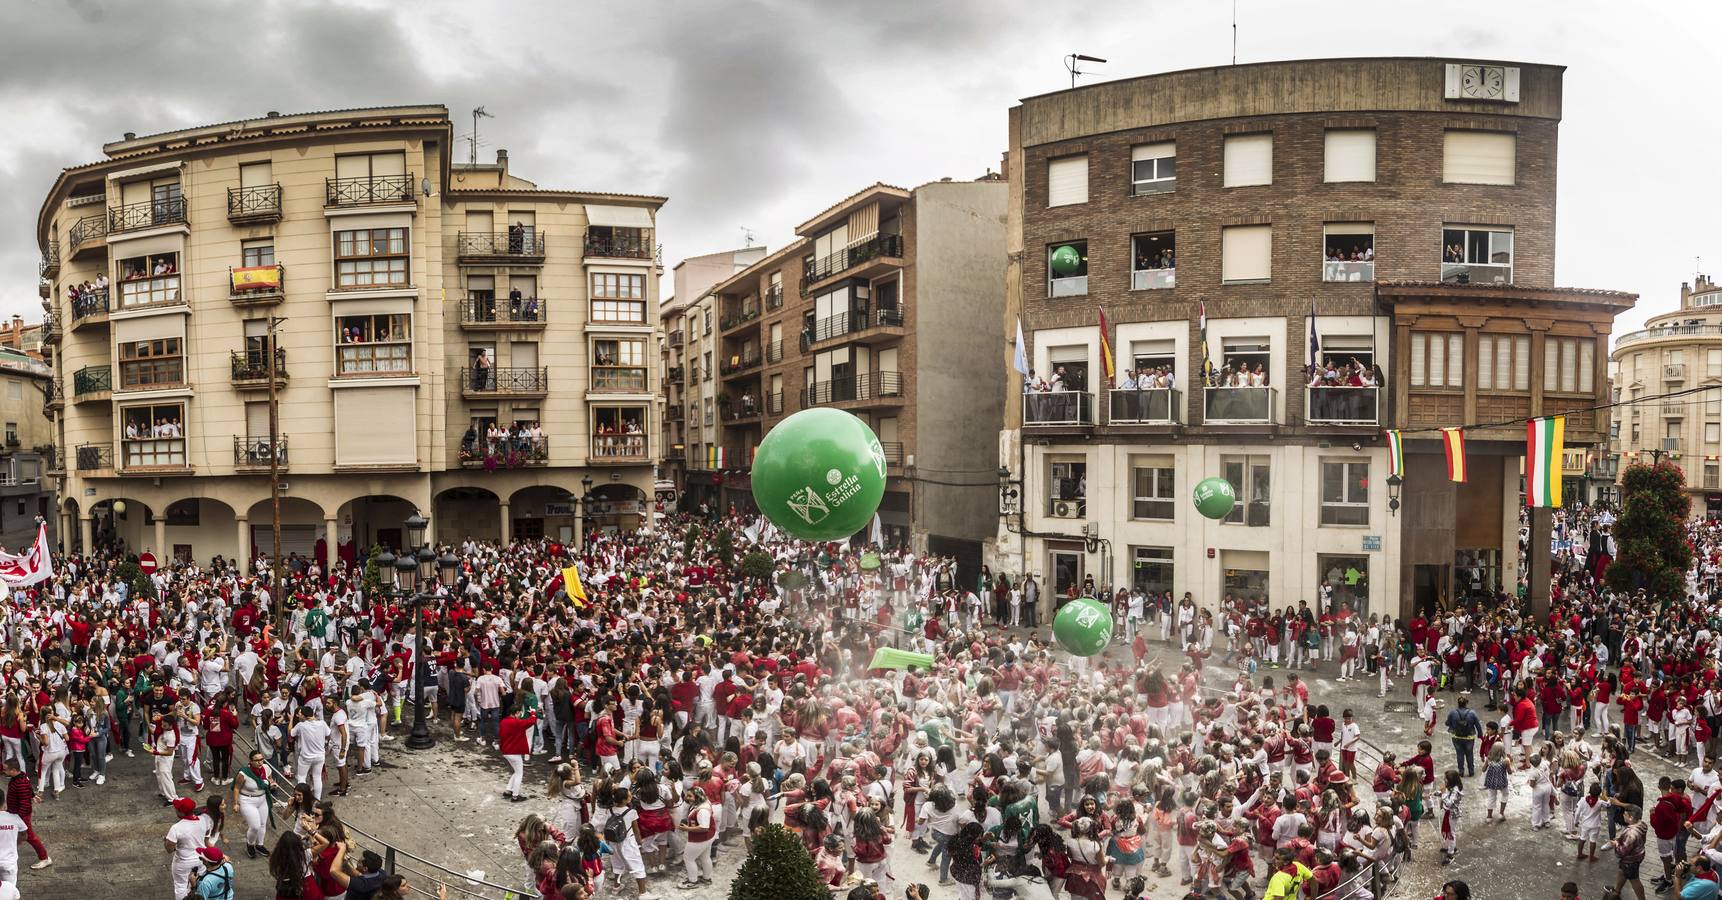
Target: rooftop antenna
{"x": 477, "y": 113}
{"x": 1071, "y": 64}
{"x": 746, "y": 236}
{"x": 1234, "y": 32}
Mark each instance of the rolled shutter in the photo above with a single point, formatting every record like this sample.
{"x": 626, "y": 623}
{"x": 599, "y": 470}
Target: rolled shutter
{"x": 1249, "y": 160}
{"x": 1067, "y": 181}
{"x": 1350, "y": 155}
{"x": 1479, "y": 157}
{"x": 1246, "y": 253}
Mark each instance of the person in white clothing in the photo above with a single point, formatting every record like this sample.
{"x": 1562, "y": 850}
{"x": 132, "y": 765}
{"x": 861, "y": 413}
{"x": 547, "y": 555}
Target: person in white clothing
{"x": 698, "y": 829}
{"x": 311, "y": 741}
{"x": 182, "y": 840}
{"x": 11, "y": 828}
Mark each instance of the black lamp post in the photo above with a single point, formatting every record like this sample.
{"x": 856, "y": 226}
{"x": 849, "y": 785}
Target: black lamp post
{"x": 1394, "y": 483}
{"x": 414, "y": 570}
{"x": 585, "y": 504}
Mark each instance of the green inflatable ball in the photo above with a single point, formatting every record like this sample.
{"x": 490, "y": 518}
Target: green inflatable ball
{"x": 819, "y": 474}
{"x": 1083, "y": 626}
{"x": 1066, "y": 260}
{"x": 1215, "y": 497}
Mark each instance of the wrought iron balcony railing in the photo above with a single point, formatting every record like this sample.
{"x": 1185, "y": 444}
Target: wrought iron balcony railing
{"x": 367, "y": 189}
{"x": 148, "y": 214}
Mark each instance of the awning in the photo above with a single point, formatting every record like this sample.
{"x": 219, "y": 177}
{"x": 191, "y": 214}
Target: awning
{"x": 618, "y": 216}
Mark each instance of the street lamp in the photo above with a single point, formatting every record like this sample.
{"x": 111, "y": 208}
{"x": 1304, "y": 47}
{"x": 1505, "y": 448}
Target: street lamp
{"x": 1394, "y": 482}
{"x": 584, "y": 504}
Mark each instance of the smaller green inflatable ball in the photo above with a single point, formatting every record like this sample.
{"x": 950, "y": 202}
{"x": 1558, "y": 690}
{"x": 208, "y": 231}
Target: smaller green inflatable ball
{"x": 1215, "y": 498}
{"x": 1083, "y": 626}
{"x": 819, "y": 474}
{"x": 1066, "y": 260}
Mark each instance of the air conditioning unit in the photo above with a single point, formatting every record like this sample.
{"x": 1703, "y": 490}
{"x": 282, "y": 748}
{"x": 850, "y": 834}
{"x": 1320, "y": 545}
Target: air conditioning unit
{"x": 1066, "y": 509}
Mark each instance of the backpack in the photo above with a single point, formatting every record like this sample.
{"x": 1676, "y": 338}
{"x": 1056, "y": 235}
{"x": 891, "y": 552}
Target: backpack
{"x": 616, "y": 827}
{"x": 1057, "y": 864}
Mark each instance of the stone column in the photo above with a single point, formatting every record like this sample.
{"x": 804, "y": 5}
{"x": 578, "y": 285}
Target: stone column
{"x": 85, "y": 532}
{"x": 331, "y": 541}
{"x": 579, "y": 522}
{"x": 243, "y": 523}
{"x": 506, "y": 525}
{"x": 161, "y": 551}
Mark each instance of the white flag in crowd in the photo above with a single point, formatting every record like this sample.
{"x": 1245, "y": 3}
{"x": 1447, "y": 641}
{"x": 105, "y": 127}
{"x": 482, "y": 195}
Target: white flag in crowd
{"x": 34, "y": 566}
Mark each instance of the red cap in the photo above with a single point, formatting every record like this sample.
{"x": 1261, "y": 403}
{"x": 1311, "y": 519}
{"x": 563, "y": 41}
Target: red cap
{"x": 183, "y": 805}
{"x": 213, "y": 854}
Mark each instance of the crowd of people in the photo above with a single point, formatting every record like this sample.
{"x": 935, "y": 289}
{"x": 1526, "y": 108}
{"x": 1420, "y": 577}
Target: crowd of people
{"x": 500, "y": 446}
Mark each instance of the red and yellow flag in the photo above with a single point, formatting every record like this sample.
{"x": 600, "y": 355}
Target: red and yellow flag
{"x": 1454, "y": 440}
{"x": 257, "y": 278}
{"x": 1106, "y": 349}
{"x": 571, "y": 584}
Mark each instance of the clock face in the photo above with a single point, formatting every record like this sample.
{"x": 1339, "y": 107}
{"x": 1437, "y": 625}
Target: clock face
{"x": 1483, "y": 82}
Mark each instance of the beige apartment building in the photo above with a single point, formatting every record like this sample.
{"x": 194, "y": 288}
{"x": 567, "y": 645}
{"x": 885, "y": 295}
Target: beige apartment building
{"x": 1674, "y": 351}
{"x": 443, "y": 337}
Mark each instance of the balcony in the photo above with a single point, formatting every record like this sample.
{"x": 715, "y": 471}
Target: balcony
{"x": 1349, "y": 271}
{"x": 87, "y": 233}
{"x": 619, "y": 446}
{"x": 737, "y": 412}
{"x": 148, "y": 214}
{"x": 94, "y": 457}
{"x": 521, "y": 246}
{"x": 369, "y": 189}
{"x": 153, "y": 456}
{"x": 878, "y": 252}
{"x": 256, "y": 453}
{"x": 254, "y": 205}
{"x": 251, "y": 369}
{"x": 256, "y": 285}
{"x": 1674, "y": 372}
{"x": 1058, "y": 408}
{"x": 504, "y": 382}
{"x": 774, "y": 297}
{"x": 1476, "y": 273}
{"x": 863, "y": 390}
{"x": 1069, "y": 286}
{"x": 1239, "y": 405}
{"x": 510, "y": 452}
{"x": 774, "y": 352}
{"x": 747, "y": 361}
{"x": 618, "y": 380}
{"x": 675, "y": 338}
{"x": 92, "y": 383}
{"x": 51, "y": 330}
{"x": 487, "y": 314}
{"x": 1147, "y": 280}
{"x": 1342, "y": 405}
{"x": 1151, "y": 406}
{"x": 53, "y": 394}
{"x": 869, "y": 325}
{"x": 621, "y": 243}
{"x": 749, "y": 313}
{"x": 893, "y": 453}
{"x": 774, "y": 403}
{"x": 1668, "y": 331}
{"x": 50, "y": 264}
{"x": 674, "y": 413}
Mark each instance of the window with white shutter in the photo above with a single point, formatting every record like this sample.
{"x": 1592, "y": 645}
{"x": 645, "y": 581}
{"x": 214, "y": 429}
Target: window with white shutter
{"x": 1067, "y": 181}
{"x": 1246, "y": 252}
{"x": 1249, "y": 160}
{"x": 1350, "y": 155}
{"x": 1479, "y": 157}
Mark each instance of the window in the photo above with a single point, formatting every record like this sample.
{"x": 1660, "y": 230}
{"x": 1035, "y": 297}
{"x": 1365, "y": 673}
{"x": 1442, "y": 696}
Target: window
{"x": 1067, "y": 269}
{"x": 1503, "y": 363}
{"x": 371, "y": 258}
{"x": 372, "y": 344}
{"x": 621, "y": 298}
{"x": 1349, "y": 155}
{"x": 1636, "y": 433}
{"x": 1067, "y": 490}
{"x": 1711, "y": 407}
{"x": 1067, "y": 181}
{"x": 1713, "y": 363}
{"x": 1151, "y": 569}
{"x": 260, "y": 252}
{"x": 149, "y": 280}
{"x": 618, "y": 431}
{"x": 1344, "y": 493}
{"x": 151, "y": 364}
{"x": 11, "y": 432}
{"x": 1155, "y": 495}
{"x": 153, "y": 435}
{"x": 1249, "y": 160}
{"x": 1153, "y": 168}
{"x": 1568, "y": 365}
{"x": 1153, "y": 261}
{"x": 1348, "y": 251}
{"x": 619, "y": 366}
{"x": 1712, "y": 433}
{"x": 1438, "y": 360}
{"x": 1672, "y": 427}
{"x": 1478, "y": 157}
{"x": 708, "y": 365}
{"x": 1246, "y": 253}
{"x": 1476, "y": 256}
{"x": 14, "y": 390}
{"x": 1250, "y": 477}
{"x": 1710, "y": 476}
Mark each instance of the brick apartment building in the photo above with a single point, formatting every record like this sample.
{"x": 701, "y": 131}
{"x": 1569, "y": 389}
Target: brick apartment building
{"x": 1396, "y": 215}
{"x": 887, "y": 307}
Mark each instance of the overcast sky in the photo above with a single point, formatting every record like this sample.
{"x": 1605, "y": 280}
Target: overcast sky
{"x": 759, "y": 113}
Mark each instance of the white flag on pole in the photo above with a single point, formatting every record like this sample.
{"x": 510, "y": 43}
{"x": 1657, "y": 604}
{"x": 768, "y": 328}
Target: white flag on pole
{"x": 1020, "y": 360}
{"x": 35, "y": 566}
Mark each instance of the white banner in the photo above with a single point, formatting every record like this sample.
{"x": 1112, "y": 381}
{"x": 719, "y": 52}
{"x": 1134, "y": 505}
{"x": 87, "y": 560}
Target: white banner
{"x": 34, "y": 566}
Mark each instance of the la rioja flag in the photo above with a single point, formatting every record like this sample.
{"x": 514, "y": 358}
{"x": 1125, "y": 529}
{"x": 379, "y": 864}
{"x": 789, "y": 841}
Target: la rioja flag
{"x": 35, "y": 566}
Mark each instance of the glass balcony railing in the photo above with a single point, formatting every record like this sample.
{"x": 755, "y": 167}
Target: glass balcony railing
{"x": 1476, "y": 273}
{"x": 1344, "y": 405}
{"x": 1058, "y": 408}
{"x": 1153, "y": 406}
{"x": 1070, "y": 286}
{"x": 1347, "y": 271}
{"x": 1150, "y": 279}
{"x": 1239, "y": 405}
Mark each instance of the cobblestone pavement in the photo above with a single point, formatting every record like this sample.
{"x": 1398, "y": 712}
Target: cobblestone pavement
{"x": 445, "y": 805}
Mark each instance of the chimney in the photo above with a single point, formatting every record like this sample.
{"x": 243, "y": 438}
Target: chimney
{"x": 272, "y": 114}
{"x": 502, "y": 161}
{"x": 131, "y": 136}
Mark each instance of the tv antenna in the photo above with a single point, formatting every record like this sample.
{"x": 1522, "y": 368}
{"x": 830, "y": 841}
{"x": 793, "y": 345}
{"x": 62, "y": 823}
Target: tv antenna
{"x": 1072, "y": 63}
{"x": 746, "y": 236}
{"x": 1234, "y": 32}
{"x": 477, "y": 113}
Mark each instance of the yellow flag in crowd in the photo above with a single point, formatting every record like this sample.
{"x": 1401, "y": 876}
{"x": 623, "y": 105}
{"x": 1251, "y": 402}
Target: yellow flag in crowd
{"x": 571, "y": 584}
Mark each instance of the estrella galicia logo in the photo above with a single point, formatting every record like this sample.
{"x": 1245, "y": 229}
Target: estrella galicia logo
{"x": 877, "y": 454}
{"x": 807, "y": 504}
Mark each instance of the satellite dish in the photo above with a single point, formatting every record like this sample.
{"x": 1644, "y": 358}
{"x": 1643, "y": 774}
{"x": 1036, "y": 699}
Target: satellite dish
{"x": 425, "y": 184}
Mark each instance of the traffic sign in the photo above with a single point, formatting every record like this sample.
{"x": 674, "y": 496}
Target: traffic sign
{"x": 146, "y": 563}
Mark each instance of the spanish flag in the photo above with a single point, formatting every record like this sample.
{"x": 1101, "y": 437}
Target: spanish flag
{"x": 257, "y": 278}
{"x": 1106, "y": 350}
{"x": 1454, "y": 440}
{"x": 571, "y": 584}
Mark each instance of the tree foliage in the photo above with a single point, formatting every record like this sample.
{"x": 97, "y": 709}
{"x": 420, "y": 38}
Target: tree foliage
{"x": 136, "y": 581}
{"x": 1650, "y": 535}
{"x": 779, "y": 868}
{"x": 690, "y": 538}
{"x": 757, "y": 565}
{"x": 724, "y": 545}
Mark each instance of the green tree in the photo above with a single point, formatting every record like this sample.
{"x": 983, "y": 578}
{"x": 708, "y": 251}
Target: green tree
{"x": 690, "y": 538}
{"x": 1651, "y": 533}
{"x": 757, "y": 565}
{"x": 724, "y": 545}
{"x": 135, "y": 579}
{"x": 373, "y": 577}
{"x": 779, "y": 868}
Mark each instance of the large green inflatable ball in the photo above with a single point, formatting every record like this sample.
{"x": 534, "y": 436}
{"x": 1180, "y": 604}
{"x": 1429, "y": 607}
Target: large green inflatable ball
{"x": 1215, "y": 497}
{"x": 1083, "y": 626}
{"x": 1066, "y": 260}
{"x": 819, "y": 474}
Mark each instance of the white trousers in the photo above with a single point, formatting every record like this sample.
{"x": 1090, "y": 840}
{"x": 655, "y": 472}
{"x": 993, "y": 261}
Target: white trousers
{"x": 53, "y": 771}
{"x": 164, "y": 777}
{"x": 255, "y": 810}
{"x": 697, "y": 859}
{"x": 516, "y": 765}
{"x": 309, "y": 771}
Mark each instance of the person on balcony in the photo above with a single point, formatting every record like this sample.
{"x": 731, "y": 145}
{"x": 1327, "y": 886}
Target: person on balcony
{"x": 516, "y": 243}
{"x": 480, "y": 370}
{"x": 514, "y": 300}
